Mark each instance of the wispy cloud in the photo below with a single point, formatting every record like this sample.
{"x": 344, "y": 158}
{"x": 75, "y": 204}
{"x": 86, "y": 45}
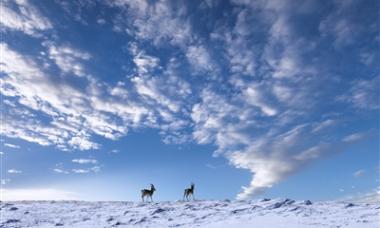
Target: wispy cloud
{"x": 26, "y": 18}
{"x": 363, "y": 94}
{"x": 115, "y": 151}
{"x": 59, "y": 170}
{"x": 35, "y": 91}
{"x": 210, "y": 166}
{"x": 60, "y": 167}
{"x": 359, "y": 173}
{"x": 200, "y": 59}
{"x": 11, "y": 145}
{"x": 14, "y": 171}
{"x": 93, "y": 169}
{"x": 340, "y": 25}
{"x": 85, "y": 161}
{"x": 159, "y": 21}
{"x": 5, "y": 181}
{"x": 324, "y": 124}
{"x": 67, "y": 58}
{"x": 354, "y": 137}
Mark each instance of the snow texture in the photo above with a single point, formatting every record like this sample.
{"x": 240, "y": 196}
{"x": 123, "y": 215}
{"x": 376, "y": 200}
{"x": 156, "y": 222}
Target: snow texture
{"x": 214, "y": 214}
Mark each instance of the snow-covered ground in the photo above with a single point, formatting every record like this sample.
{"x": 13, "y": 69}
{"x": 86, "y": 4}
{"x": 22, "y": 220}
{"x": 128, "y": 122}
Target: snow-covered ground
{"x": 259, "y": 213}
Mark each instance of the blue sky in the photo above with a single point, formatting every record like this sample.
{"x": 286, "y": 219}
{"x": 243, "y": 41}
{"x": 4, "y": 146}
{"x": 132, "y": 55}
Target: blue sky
{"x": 245, "y": 98}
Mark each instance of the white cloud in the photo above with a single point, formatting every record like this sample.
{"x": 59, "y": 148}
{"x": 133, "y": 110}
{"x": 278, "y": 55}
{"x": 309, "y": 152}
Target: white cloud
{"x": 93, "y": 169}
{"x": 311, "y": 153}
{"x": 273, "y": 157}
{"x": 11, "y": 145}
{"x": 275, "y": 135}
{"x": 80, "y": 171}
{"x": 159, "y": 21}
{"x": 75, "y": 114}
{"x": 85, "y": 161}
{"x": 119, "y": 91}
{"x": 150, "y": 88}
{"x": 81, "y": 142}
{"x": 344, "y": 27}
{"x": 270, "y": 156}
{"x": 26, "y": 18}
{"x": 367, "y": 58}
{"x": 75, "y": 10}
{"x": 254, "y": 96}
{"x": 115, "y": 151}
{"x": 58, "y": 170}
{"x": 163, "y": 95}
{"x": 354, "y": 137}
{"x": 36, "y": 194}
{"x": 199, "y": 58}
{"x": 287, "y": 66}
{"x": 14, "y": 171}
{"x": 145, "y": 63}
{"x": 208, "y": 116}
{"x": 359, "y": 173}
{"x": 5, "y": 181}
{"x": 340, "y": 27}
{"x": 67, "y": 58}
{"x": 241, "y": 52}
{"x": 267, "y": 171}
{"x": 101, "y": 21}
{"x": 31, "y": 132}
{"x": 29, "y": 84}
{"x": 324, "y": 124}
{"x": 363, "y": 94}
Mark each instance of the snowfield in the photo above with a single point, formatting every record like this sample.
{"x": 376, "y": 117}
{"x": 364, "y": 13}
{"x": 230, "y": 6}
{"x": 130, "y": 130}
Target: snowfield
{"x": 259, "y": 213}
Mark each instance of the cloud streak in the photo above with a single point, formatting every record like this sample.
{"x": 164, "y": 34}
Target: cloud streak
{"x": 23, "y": 17}
{"x": 14, "y": 171}
{"x": 85, "y": 161}
{"x": 11, "y": 145}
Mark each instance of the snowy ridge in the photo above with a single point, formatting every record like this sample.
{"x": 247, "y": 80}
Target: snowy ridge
{"x": 258, "y": 213}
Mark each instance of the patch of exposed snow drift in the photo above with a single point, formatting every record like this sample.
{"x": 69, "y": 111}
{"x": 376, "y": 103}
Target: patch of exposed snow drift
{"x": 260, "y": 213}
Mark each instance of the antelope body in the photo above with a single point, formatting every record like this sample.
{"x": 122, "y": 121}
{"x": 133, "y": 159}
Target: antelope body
{"x": 148, "y": 193}
{"x": 189, "y": 192}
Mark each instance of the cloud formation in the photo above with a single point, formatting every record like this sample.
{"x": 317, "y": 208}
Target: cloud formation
{"x": 250, "y": 81}
{"x": 14, "y": 171}
{"x": 84, "y": 167}
{"x": 359, "y": 173}
{"x": 85, "y": 161}
{"x": 22, "y": 16}
{"x": 11, "y": 145}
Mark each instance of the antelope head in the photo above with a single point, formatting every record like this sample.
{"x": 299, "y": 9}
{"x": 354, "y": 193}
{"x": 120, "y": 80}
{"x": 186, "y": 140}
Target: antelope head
{"x": 152, "y": 188}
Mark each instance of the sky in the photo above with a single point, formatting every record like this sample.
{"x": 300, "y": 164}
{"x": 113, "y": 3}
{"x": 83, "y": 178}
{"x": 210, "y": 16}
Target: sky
{"x": 247, "y": 99}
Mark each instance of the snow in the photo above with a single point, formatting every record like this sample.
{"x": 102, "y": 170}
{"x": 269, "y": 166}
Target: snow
{"x": 213, "y": 214}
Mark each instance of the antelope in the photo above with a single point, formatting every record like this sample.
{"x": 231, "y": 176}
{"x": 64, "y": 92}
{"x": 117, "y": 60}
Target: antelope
{"x": 148, "y": 193}
{"x": 188, "y": 192}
